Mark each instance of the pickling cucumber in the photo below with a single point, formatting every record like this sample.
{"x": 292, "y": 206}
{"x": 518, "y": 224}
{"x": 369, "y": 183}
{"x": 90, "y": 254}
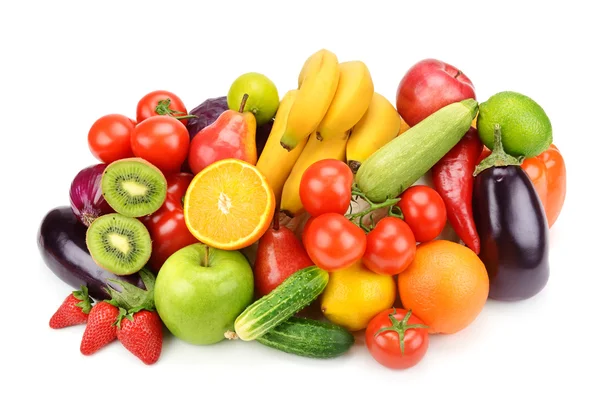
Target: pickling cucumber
{"x": 308, "y": 338}
{"x": 292, "y": 295}
{"x": 400, "y": 163}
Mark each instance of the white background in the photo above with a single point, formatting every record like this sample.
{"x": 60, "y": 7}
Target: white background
{"x": 64, "y": 64}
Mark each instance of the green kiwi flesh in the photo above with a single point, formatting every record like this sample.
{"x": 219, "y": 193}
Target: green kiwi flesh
{"x": 133, "y": 187}
{"x": 119, "y": 244}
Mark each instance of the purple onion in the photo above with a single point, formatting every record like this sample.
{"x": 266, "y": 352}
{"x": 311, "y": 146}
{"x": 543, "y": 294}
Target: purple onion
{"x": 87, "y": 201}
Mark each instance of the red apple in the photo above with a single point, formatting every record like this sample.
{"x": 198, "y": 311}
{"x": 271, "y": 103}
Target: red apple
{"x": 428, "y": 86}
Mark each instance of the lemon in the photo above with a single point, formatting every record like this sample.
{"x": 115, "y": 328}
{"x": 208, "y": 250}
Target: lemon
{"x": 526, "y": 129}
{"x": 354, "y": 295}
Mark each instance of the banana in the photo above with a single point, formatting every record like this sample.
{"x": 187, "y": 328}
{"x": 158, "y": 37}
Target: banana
{"x": 380, "y": 124}
{"x": 351, "y": 100}
{"x": 275, "y": 162}
{"x": 318, "y": 82}
{"x": 314, "y": 151}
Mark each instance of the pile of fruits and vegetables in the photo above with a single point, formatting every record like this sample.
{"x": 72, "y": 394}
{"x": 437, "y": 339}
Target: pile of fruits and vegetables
{"x": 299, "y": 221}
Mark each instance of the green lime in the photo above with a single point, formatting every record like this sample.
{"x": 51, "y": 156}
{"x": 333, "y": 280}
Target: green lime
{"x": 526, "y": 129}
{"x": 263, "y": 98}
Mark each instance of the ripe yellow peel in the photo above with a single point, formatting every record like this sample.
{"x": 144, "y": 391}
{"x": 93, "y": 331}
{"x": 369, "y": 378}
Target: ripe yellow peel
{"x": 314, "y": 151}
{"x": 275, "y": 162}
{"x": 354, "y": 295}
{"x": 320, "y": 76}
{"x": 380, "y": 124}
{"x": 352, "y": 98}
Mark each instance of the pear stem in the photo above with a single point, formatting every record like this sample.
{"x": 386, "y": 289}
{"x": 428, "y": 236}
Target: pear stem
{"x": 276, "y": 217}
{"x": 243, "y": 103}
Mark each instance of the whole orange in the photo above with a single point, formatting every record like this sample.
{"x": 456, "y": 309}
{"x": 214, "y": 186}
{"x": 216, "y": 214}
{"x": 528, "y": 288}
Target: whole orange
{"x": 446, "y": 286}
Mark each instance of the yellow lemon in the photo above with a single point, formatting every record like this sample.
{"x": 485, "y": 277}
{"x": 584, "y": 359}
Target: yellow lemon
{"x": 355, "y": 294}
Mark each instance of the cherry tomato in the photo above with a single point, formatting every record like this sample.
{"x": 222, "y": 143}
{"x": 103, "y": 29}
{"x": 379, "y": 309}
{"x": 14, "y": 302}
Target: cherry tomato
{"x": 397, "y": 339}
{"x": 424, "y": 212}
{"x": 162, "y": 141}
{"x": 167, "y": 226}
{"x": 391, "y": 247}
{"x": 326, "y": 187}
{"x": 305, "y": 229}
{"x": 333, "y": 242}
{"x": 161, "y": 102}
{"x": 109, "y": 138}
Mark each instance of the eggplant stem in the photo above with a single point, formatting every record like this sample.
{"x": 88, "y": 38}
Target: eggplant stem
{"x": 498, "y": 157}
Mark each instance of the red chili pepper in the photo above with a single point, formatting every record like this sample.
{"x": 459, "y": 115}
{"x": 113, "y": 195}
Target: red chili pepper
{"x": 453, "y": 180}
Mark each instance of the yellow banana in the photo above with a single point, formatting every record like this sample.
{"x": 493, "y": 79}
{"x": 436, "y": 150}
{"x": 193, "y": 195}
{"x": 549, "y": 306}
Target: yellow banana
{"x": 319, "y": 80}
{"x": 275, "y": 162}
{"x": 351, "y": 100}
{"x": 380, "y": 124}
{"x": 314, "y": 151}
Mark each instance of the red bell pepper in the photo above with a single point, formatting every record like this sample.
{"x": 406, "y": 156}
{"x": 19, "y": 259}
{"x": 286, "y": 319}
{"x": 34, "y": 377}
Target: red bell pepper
{"x": 453, "y": 180}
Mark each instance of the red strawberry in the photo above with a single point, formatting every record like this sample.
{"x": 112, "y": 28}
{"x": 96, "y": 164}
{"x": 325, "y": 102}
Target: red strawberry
{"x": 73, "y": 311}
{"x": 101, "y": 328}
{"x": 141, "y": 334}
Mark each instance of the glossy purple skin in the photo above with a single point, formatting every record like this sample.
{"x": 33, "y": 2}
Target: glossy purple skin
{"x": 514, "y": 233}
{"x": 85, "y": 194}
{"x": 61, "y": 242}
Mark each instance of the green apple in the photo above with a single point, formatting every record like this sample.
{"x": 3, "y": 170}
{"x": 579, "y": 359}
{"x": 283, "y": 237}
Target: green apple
{"x": 200, "y": 291}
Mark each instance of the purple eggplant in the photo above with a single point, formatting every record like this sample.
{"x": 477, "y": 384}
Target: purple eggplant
{"x": 61, "y": 241}
{"x": 512, "y": 226}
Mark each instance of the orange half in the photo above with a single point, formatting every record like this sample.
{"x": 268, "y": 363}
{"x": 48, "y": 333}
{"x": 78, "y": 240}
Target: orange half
{"x": 229, "y": 205}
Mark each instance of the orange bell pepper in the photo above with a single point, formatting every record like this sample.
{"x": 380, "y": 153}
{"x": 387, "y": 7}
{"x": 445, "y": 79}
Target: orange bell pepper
{"x": 549, "y": 176}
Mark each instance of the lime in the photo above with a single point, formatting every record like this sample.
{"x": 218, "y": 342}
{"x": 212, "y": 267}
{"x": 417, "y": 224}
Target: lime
{"x": 263, "y": 98}
{"x": 526, "y": 129}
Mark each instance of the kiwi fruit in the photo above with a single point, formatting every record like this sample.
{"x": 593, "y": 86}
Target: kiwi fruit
{"x": 133, "y": 187}
{"x": 119, "y": 244}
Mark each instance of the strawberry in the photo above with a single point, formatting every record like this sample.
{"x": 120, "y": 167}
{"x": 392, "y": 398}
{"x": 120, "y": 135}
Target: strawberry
{"x": 141, "y": 333}
{"x": 101, "y": 328}
{"x": 73, "y": 311}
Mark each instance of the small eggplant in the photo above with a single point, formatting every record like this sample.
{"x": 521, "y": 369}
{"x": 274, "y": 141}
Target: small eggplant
{"x": 512, "y": 226}
{"x": 61, "y": 242}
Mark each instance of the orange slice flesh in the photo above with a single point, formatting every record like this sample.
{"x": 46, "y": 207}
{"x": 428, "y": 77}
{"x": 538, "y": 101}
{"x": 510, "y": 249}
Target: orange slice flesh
{"x": 229, "y": 205}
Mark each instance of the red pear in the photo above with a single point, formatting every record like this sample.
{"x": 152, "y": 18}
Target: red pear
{"x": 232, "y": 135}
{"x": 278, "y": 256}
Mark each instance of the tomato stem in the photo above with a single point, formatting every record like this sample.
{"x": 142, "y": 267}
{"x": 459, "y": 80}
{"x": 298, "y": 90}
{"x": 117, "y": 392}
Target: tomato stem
{"x": 163, "y": 107}
{"x": 400, "y": 327}
{"x": 390, "y": 203}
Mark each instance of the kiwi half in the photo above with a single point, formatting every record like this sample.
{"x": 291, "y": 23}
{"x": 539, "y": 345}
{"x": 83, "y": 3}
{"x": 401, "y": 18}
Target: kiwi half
{"x": 133, "y": 187}
{"x": 119, "y": 244}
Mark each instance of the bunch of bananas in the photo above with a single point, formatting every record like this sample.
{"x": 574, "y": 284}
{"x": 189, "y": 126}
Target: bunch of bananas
{"x": 334, "y": 113}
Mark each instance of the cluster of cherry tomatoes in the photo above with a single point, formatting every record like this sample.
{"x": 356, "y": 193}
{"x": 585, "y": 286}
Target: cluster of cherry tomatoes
{"x": 334, "y": 239}
{"x": 158, "y": 135}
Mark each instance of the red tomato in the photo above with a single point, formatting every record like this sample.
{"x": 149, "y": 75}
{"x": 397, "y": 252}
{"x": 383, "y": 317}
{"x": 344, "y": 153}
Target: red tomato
{"x": 305, "y": 228}
{"x": 109, "y": 138}
{"x": 391, "y": 247}
{"x": 162, "y": 141}
{"x": 333, "y": 242}
{"x": 161, "y": 102}
{"x": 424, "y": 212}
{"x": 326, "y": 187}
{"x": 397, "y": 339}
{"x": 167, "y": 226}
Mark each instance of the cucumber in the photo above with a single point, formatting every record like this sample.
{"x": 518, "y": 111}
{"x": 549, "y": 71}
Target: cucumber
{"x": 308, "y": 338}
{"x": 291, "y": 296}
{"x": 400, "y": 163}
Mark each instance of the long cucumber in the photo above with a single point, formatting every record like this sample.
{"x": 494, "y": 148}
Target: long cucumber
{"x": 292, "y": 295}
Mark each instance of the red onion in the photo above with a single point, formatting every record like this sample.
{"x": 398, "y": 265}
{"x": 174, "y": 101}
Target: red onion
{"x": 87, "y": 201}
